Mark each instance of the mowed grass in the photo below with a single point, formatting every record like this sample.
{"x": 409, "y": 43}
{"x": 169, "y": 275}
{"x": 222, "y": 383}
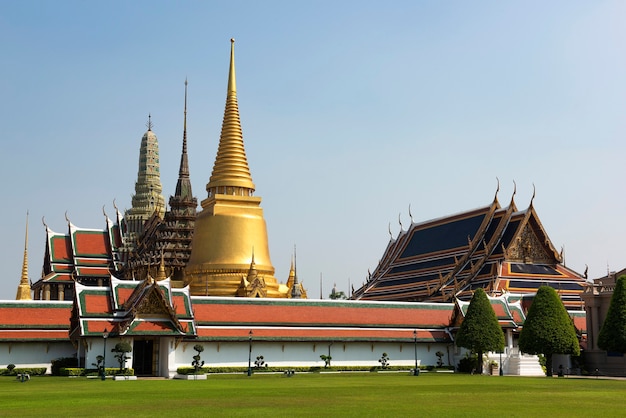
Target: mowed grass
{"x": 345, "y": 394}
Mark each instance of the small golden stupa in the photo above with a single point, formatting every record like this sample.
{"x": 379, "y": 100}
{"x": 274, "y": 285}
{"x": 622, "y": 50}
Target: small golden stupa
{"x": 230, "y": 254}
{"x": 23, "y": 289}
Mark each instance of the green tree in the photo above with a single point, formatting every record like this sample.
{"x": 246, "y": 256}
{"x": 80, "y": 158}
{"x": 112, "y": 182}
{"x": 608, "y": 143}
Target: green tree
{"x": 548, "y": 328}
{"x": 337, "y": 295}
{"x": 121, "y": 349}
{"x": 613, "y": 332}
{"x": 197, "y": 363}
{"x": 480, "y": 330}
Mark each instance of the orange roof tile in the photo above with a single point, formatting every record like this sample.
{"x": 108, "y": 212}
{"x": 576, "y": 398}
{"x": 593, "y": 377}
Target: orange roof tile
{"x": 215, "y": 311}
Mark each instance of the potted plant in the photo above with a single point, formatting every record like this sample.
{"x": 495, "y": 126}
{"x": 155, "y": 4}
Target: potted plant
{"x": 493, "y": 368}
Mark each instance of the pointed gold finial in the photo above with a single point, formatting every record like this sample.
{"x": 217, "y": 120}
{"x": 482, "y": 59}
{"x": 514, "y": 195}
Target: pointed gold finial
{"x": 231, "y": 173}
{"x": 232, "y": 81}
{"x": 23, "y": 290}
{"x": 161, "y": 274}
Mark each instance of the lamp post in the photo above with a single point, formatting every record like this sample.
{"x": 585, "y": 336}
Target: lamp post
{"x": 416, "y": 371}
{"x": 250, "y": 353}
{"x": 105, "y": 335}
{"x": 501, "y": 371}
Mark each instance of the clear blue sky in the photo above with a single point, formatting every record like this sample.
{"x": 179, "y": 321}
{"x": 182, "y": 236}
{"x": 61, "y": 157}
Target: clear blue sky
{"x": 351, "y": 112}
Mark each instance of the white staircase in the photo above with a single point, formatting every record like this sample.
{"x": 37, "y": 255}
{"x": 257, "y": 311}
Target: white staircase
{"x": 515, "y": 363}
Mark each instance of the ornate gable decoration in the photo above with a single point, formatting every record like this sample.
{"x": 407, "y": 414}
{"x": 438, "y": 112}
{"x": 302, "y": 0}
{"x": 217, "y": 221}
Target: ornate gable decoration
{"x": 257, "y": 288}
{"x": 152, "y": 305}
{"x": 527, "y": 248}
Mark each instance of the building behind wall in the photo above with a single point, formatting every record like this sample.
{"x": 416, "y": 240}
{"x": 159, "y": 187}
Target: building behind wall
{"x": 500, "y": 249}
{"x": 597, "y": 299}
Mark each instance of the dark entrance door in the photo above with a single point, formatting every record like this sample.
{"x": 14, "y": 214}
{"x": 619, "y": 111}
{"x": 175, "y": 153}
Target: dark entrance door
{"x": 142, "y": 357}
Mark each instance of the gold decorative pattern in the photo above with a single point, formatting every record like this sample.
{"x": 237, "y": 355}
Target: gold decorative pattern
{"x": 527, "y": 248}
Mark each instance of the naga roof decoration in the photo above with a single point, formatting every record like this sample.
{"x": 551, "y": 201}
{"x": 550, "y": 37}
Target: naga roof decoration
{"x": 497, "y": 248}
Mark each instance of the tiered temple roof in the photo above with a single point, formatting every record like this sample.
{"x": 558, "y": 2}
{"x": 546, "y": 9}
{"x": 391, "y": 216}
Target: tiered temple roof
{"x": 87, "y": 256}
{"x": 501, "y": 249}
{"x": 132, "y": 308}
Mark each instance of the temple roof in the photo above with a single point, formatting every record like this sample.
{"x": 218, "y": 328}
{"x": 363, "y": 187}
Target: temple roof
{"x": 34, "y": 320}
{"x": 300, "y": 319}
{"x": 80, "y": 253}
{"x": 132, "y": 308}
{"x": 493, "y": 247}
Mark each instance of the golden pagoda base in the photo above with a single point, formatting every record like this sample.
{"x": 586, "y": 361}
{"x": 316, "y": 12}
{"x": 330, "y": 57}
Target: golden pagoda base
{"x": 234, "y": 284}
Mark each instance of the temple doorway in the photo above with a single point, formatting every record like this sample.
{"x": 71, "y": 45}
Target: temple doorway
{"x": 145, "y": 357}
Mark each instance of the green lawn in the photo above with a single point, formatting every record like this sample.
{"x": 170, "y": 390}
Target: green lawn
{"x": 345, "y": 394}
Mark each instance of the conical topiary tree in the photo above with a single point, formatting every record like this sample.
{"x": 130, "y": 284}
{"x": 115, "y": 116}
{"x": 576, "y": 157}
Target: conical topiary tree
{"x": 613, "y": 332}
{"x": 548, "y": 328}
{"x": 480, "y": 330}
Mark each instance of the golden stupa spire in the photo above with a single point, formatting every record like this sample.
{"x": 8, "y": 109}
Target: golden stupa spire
{"x": 231, "y": 221}
{"x": 231, "y": 174}
{"x": 23, "y": 290}
{"x": 161, "y": 272}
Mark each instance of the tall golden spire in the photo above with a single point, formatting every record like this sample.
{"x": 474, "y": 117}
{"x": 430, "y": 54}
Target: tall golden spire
{"x": 23, "y": 290}
{"x": 231, "y": 221}
{"x": 231, "y": 174}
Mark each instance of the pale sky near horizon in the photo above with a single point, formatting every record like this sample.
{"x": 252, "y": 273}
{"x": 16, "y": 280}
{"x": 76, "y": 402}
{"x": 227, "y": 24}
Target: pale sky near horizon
{"x": 351, "y": 111}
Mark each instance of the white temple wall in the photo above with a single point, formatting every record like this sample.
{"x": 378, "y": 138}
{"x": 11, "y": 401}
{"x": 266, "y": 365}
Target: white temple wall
{"x": 34, "y": 354}
{"x": 307, "y": 354}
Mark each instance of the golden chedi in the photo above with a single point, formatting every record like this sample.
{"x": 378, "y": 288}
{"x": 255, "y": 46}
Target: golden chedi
{"x": 230, "y": 254}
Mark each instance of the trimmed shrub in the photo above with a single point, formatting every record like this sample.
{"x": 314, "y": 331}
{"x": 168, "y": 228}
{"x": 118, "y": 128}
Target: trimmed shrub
{"x": 71, "y": 371}
{"x": 63, "y": 362}
{"x": 468, "y": 363}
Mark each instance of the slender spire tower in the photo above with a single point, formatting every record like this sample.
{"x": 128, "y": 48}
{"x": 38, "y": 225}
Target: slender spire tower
{"x": 231, "y": 222}
{"x": 23, "y": 289}
{"x": 169, "y": 237}
{"x": 148, "y": 197}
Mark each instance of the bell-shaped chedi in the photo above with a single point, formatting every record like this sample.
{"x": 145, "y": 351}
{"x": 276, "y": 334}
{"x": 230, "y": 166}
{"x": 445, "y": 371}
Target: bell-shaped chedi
{"x": 230, "y": 230}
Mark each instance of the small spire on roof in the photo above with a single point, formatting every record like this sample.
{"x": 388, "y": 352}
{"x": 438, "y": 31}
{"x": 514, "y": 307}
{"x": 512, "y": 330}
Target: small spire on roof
{"x": 161, "y": 274}
{"x": 23, "y": 290}
{"x": 149, "y": 124}
{"x": 296, "y": 292}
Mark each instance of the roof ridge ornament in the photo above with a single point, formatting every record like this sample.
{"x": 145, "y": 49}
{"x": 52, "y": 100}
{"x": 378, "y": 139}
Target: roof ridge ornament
{"x": 149, "y": 125}
{"x": 533, "y": 197}
{"x": 410, "y": 214}
{"x": 514, "y": 193}
{"x": 495, "y": 198}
